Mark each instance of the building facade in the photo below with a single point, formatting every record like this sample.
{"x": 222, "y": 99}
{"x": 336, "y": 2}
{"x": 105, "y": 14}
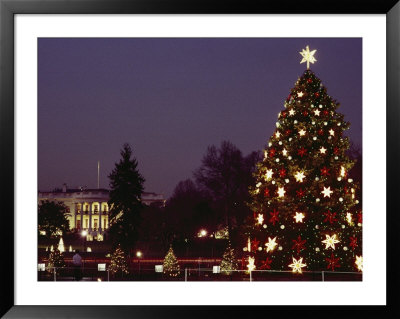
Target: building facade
{"x": 88, "y": 208}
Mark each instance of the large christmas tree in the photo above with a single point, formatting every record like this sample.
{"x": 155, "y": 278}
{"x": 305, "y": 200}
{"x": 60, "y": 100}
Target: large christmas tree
{"x": 306, "y": 215}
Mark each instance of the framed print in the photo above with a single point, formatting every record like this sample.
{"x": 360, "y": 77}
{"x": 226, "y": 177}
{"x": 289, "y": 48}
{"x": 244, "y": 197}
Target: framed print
{"x": 176, "y": 117}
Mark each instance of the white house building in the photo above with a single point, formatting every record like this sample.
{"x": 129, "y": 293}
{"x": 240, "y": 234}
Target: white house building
{"x": 89, "y": 209}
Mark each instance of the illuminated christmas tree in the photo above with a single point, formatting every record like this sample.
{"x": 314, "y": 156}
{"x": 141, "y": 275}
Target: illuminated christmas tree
{"x": 118, "y": 264}
{"x": 229, "y": 260}
{"x": 56, "y": 259}
{"x": 170, "y": 264}
{"x": 306, "y": 215}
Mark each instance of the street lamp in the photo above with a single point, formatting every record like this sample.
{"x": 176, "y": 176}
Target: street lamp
{"x": 202, "y": 233}
{"x": 139, "y": 255}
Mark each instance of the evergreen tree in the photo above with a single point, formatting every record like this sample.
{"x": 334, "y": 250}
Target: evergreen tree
{"x": 56, "y": 259}
{"x": 125, "y": 204}
{"x": 170, "y": 264}
{"x": 306, "y": 215}
{"x": 118, "y": 263}
{"x": 229, "y": 261}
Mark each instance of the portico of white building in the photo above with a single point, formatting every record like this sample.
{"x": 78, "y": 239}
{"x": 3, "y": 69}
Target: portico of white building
{"x": 88, "y": 208}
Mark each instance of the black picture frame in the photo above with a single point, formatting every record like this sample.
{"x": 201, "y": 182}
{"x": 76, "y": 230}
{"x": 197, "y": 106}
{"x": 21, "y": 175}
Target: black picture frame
{"x": 8, "y": 10}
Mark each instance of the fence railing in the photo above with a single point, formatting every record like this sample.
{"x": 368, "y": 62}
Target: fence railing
{"x": 191, "y": 274}
{"x": 194, "y": 274}
{"x": 73, "y": 274}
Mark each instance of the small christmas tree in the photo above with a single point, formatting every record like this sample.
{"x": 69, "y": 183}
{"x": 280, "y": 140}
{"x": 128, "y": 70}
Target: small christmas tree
{"x": 118, "y": 264}
{"x": 229, "y": 261}
{"x": 56, "y": 260}
{"x": 171, "y": 266}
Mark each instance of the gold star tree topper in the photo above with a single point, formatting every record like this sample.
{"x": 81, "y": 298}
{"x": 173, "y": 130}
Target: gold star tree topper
{"x": 308, "y": 56}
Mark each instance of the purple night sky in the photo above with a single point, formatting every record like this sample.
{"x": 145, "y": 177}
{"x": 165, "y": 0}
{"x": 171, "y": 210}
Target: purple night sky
{"x": 171, "y": 98}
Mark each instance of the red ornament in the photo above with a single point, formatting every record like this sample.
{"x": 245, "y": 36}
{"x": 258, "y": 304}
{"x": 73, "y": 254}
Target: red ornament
{"x": 287, "y": 132}
{"x": 274, "y": 217}
{"x": 266, "y": 264}
{"x": 325, "y": 171}
{"x": 282, "y": 172}
{"x": 266, "y": 192}
{"x": 254, "y": 244}
{"x": 316, "y": 94}
{"x": 325, "y": 112}
{"x": 300, "y": 193}
{"x": 330, "y": 217}
{"x": 298, "y": 244}
{"x": 302, "y": 151}
{"x": 289, "y": 96}
{"x": 336, "y": 150}
{"x": 309, "y": 80}
{"x": 353, "y": 242}
{"x": 332, "y": 262}
{"x": 321, "y": 132}
{"x": 272, "y": 152}
{"x": 346, "y": 190}
{"x": 243, "y": 262}
{"x": 305, "y": 113}
{"x": 359, "y": 217}
{"x": 283, "y": 114}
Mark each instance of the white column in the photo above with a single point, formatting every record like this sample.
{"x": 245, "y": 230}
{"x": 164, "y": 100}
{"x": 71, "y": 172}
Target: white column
{"x": 90, "y": 217}
{"x": 81, "y": 216}
{"x": 75, "y": 213}
{"x": 99, "y": 217}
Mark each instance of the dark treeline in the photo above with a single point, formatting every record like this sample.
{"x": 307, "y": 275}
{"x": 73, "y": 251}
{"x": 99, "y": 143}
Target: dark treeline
{"x": 214, "y": 199}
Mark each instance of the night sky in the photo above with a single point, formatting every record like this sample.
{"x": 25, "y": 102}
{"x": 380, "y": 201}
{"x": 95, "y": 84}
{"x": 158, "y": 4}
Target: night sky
{"x": 171, "y": 98}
